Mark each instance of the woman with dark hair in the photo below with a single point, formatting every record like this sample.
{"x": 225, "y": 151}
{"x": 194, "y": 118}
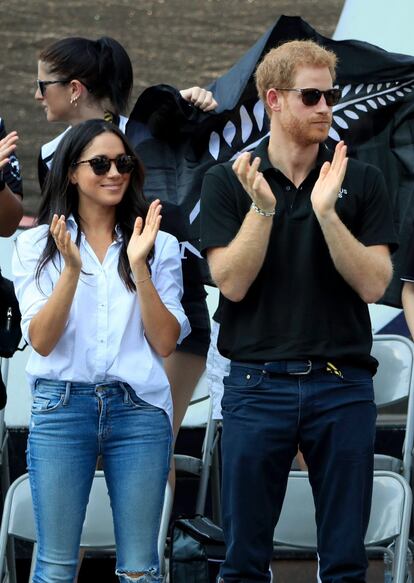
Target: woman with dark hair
{"x": 99, "y": 287}
{"x": 80, "y": 79}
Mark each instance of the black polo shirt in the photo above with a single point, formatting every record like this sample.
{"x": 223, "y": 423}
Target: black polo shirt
{"x": 299, "y": 306}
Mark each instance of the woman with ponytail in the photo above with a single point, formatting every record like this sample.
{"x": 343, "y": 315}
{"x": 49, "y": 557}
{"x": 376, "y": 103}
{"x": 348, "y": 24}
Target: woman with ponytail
{"x": 80, "y": 79}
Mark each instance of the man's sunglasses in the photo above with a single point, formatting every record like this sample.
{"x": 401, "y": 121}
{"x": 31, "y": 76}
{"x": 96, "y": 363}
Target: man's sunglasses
{"x": 312, "y": 96}
{"x": 41, "y": 85}
{"x": 102, "y": 164}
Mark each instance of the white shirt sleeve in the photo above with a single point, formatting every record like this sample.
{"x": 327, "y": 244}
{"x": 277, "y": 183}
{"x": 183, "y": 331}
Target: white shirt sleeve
{"x": 167, "y": 278}
{"x": 32, "y": 294}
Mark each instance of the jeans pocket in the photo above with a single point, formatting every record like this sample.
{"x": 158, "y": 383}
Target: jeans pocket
{"x": 137, "y": 403}
{"x": 243, "y": 378}
{"x": 46, "y": 401}
{"x": 353, "y": 385}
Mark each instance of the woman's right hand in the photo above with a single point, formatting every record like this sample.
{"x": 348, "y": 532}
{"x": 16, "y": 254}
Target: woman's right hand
{"x": 65, "y": 245}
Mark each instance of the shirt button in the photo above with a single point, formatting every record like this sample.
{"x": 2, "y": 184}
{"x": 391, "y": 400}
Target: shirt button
{"x": 288, "y": 187}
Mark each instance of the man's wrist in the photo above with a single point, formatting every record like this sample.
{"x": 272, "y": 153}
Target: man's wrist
{"x": 262, "y": 212}
{"x": 327, "y": 217}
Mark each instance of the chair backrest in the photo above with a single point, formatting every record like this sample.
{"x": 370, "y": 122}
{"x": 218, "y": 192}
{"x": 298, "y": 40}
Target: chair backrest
{"x": 97, "y": 530}
{"x": 387, "y": 512}
{"x": 199, "y": 415}
{"x": 389, "y": 520}
{"x": 198, "y": 410}
{"x": 394, "y": 378}
{"x": 394, "y": 382}
{"x": 296, "y": 526}
{"x": 21, "y": 521}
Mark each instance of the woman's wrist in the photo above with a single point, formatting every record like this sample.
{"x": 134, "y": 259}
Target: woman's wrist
{"x": 72, "y": 270}
{"x": 141, "y": 272}
{"x": 144, "y": 279}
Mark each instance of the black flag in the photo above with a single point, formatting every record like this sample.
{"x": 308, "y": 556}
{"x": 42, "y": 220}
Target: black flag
{"x": 375, "y": 117}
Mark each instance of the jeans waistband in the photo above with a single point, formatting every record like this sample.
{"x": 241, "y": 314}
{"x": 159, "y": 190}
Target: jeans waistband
{"x": 73, "y": 385}
{"x": 292, "y": 367}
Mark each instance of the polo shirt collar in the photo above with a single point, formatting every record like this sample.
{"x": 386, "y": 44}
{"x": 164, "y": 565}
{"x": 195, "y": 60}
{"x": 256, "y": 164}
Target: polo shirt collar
{"x": 324, "y": 155}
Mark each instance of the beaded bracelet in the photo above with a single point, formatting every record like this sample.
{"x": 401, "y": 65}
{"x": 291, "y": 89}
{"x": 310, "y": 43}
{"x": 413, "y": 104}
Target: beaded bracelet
{"x": 261, "y": 212}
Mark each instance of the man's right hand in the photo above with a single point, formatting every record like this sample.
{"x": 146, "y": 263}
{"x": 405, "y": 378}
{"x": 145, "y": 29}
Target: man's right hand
{"x": 254, "y": 183}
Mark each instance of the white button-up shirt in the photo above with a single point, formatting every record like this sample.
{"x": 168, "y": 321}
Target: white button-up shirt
{"x": 104, "y": 337}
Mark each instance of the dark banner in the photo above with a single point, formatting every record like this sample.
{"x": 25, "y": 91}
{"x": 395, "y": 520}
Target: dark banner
{"x": 375, "y": 117}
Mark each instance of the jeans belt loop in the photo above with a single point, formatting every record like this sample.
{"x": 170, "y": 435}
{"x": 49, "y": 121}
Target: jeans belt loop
{"x": 67, "y": 393}
{"x": 125, "y": 390}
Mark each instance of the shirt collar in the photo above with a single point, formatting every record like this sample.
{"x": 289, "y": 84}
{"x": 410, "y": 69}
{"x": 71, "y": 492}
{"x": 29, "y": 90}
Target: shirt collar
{"x": 118, "y": 234}
{"x": 73, "y": 227}
{"x": 324, "y": 154}
{"x": 71, "y": 224}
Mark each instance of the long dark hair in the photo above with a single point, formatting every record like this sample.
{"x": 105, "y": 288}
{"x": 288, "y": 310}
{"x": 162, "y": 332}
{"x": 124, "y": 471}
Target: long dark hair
{"x": 103, "y": 66}
{"x": 60, "y": 196}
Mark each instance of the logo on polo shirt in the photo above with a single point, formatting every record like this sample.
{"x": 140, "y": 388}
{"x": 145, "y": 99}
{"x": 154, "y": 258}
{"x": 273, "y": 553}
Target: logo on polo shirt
{"x": 342, "y": 192}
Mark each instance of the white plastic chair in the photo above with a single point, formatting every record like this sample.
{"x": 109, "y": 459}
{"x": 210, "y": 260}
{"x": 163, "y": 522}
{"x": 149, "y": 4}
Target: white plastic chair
{"x": 393, "y": 383}
{"x": 199, "y": 414}
{"x": 97, "y": 533}
{"x": 389, "y": 521}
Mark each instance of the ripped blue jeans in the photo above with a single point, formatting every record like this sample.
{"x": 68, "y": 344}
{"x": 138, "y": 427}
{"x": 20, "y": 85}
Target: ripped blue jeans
{"x": 71, "y": 424}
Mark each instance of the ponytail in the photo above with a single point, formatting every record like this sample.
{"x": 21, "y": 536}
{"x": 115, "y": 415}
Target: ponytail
{"x": 115, "y": 72}
{"x": 103, "y": 66}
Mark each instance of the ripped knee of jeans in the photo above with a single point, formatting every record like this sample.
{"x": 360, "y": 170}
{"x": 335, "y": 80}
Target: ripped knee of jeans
{"x": 150, "y": 576}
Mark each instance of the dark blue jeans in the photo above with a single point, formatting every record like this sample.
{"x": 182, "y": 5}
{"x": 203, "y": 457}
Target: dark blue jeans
{"x": 265, "y": 418}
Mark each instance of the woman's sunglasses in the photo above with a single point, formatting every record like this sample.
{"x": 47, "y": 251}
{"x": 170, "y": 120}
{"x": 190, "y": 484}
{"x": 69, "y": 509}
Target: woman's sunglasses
{"x": 312, "y": 96}
{"x": 41, "y": 85}
{"x": 102, "y": 164}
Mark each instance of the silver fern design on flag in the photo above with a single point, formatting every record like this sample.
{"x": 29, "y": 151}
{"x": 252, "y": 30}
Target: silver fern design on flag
{"x": 248, "y": 125}
{"x": 357, "y": 101}
{"x": 251, "y": 128}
